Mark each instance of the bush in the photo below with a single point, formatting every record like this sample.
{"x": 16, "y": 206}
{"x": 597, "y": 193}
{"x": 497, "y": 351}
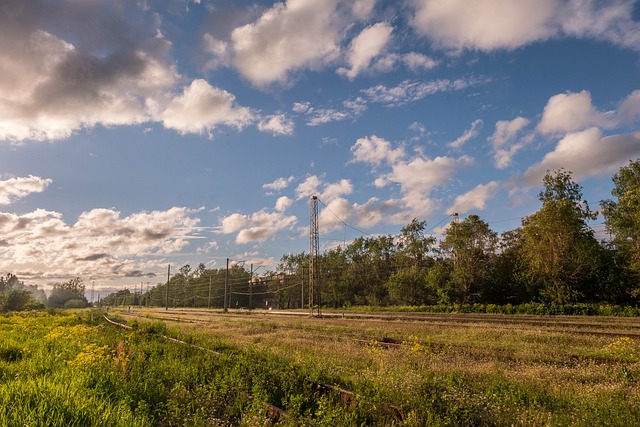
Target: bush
{"x": 75, "y": 303}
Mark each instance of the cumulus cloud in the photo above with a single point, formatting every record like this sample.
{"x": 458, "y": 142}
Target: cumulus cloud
{"x": 258, "y": 226}
{"x": 472, "y": 132}
{"x": 309, "y": 187}
{"x": 13, "y": 189}
{"x": 334, "y": 190}
{"x": 475, "y": 199}
{"x": 364, "y": 47}
{"x": 283, "y": 203}
{"x": 276, "y": 124}
{"x": 201, "y": 107}
{"x": 375, "y": 150}
{"x": 458, "y": 24}
{"x": 289, "y": 36}
{"x": 279, "y": 184}
{"x": 334, "y": 214}
{"x": 586, "y": 153}
{"x": 416, "y": 177}
{"x": 100, "y": 244}
{"x": 629, "y": 109}
{"x": 95, "y": 64}
{"x": 570, "y": 112}
{"x": 504, "y": 141}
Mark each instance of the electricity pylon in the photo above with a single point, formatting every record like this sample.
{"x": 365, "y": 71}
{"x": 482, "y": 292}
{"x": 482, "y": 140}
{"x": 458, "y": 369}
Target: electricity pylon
{"x": 314, "y": 274}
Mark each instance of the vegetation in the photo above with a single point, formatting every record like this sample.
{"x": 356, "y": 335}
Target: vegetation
{"x": 69, "y": 294}
{"x": 72, "y": 368}
{"x": 553, "y": 259}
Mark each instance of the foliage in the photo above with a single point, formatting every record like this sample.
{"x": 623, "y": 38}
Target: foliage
{"x": 62, "y": 293}
{"x": 472, "y": 245}
{"x": 558, "y": 248}
{"x": 15, "y": 300}
{"x": 622, "y": 217}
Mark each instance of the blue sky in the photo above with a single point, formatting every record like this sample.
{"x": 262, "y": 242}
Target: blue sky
{"x": 134, "y": 135}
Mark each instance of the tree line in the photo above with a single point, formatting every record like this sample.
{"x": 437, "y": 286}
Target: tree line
{"x": 554, "y": 258}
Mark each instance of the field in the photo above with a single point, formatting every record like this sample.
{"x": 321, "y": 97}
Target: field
{"x": 262, "y": 368}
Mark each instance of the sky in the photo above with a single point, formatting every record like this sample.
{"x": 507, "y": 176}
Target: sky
{"x": 137, "y": 135}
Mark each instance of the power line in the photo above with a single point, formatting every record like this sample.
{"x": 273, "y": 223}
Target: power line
{"x": 342, "y": 221}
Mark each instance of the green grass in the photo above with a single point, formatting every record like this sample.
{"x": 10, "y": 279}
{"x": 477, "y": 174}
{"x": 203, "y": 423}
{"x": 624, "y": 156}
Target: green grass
{"x": 60, "y": 369}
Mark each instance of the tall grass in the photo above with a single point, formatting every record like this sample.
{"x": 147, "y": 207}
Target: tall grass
{"x": 74, "y": 370}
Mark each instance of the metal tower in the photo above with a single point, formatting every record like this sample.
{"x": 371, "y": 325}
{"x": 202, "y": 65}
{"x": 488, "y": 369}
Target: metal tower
{"x": 314, "y": 237}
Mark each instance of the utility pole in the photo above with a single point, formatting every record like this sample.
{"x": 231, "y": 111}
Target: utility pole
{"x": 226, "y": 288}
{"x": 209, "y": 300}
{"x": 251, "y": 287}
{"x": 302, "y": 288}
{"x": 314, "y": 238}
{"x": 166, "y": 290}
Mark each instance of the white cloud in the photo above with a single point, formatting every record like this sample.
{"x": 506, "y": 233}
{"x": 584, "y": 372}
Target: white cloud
{"x": 279, "y": 184}
{"x": 52, "y": 89}
{"x": 418, "y": 176}
{"x": 233, "y": 223}
{"x": 586, "y": 153}
{"x": 419, "y": 62}
{"x": 364, "y": 47}
{"x": 101, "y": 243}
{"x": 332, "y": 216}
{"x": 351, "y": 109}
{"x": 219, "y": 51}
{"x": 571, "y": 112}
{"x": 258, "y": 226}
{"x": 308, "y": 187}
{"x": 483, "y": 25}
{"x": 503, "y": 137}
{"x": 277, "y": 124}
{"x": 283, "y": 203}
{"x": 362, "y": 8}
{"x": 202, "y": 107}
{"x": 629, "y": 109}
{"x": 608, "y": 21}
{"x": 290, "y": 36}
{"x": 375, "y": 150}
{"x": 14, "y": 189}
{"x": 475, "y": 199}
{"x": 410, "y": 91}
{"x": 335, "y": 190}
{"x": 472, "y": 132}
{"x": 458, "y": 24}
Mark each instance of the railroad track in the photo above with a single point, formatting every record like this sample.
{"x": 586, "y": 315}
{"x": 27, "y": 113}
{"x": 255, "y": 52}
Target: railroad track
{"x": 207, "y": 318}
{"x": 347, "y": 398}
{"x": 613, "y": 327}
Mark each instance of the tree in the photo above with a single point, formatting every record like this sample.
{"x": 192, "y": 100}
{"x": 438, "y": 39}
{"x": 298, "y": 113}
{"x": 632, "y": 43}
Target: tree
{"x": 15, "y": 300}
{"x": 472, "y": 245}
{"x": 67, "y": 291}
{"x": 412, "y": 243}
{"x": 622, "y": 217}
{"x": 558, "y": 248}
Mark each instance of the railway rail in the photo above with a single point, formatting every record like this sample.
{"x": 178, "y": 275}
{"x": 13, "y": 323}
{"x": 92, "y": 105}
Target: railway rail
{"x": 611, "y": 327}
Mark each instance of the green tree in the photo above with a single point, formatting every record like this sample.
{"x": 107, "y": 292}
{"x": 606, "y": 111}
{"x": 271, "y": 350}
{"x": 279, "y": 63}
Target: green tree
{"x": 558, "y": 247}
{"x": 67, "y": 291}
{"x": 15, "y": 300}
{"x": 622, "y": 218}
{"x": 472, "y": 246}
{"x": 413, "y": 245}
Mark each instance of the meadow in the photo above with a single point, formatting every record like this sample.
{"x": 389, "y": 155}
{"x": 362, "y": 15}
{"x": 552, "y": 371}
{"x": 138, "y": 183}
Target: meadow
{"x": 256, "y": 369}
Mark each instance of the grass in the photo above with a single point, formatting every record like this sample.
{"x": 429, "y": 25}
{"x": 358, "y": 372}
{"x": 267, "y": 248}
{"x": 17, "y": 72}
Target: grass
{"x": 61, "y": 369}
